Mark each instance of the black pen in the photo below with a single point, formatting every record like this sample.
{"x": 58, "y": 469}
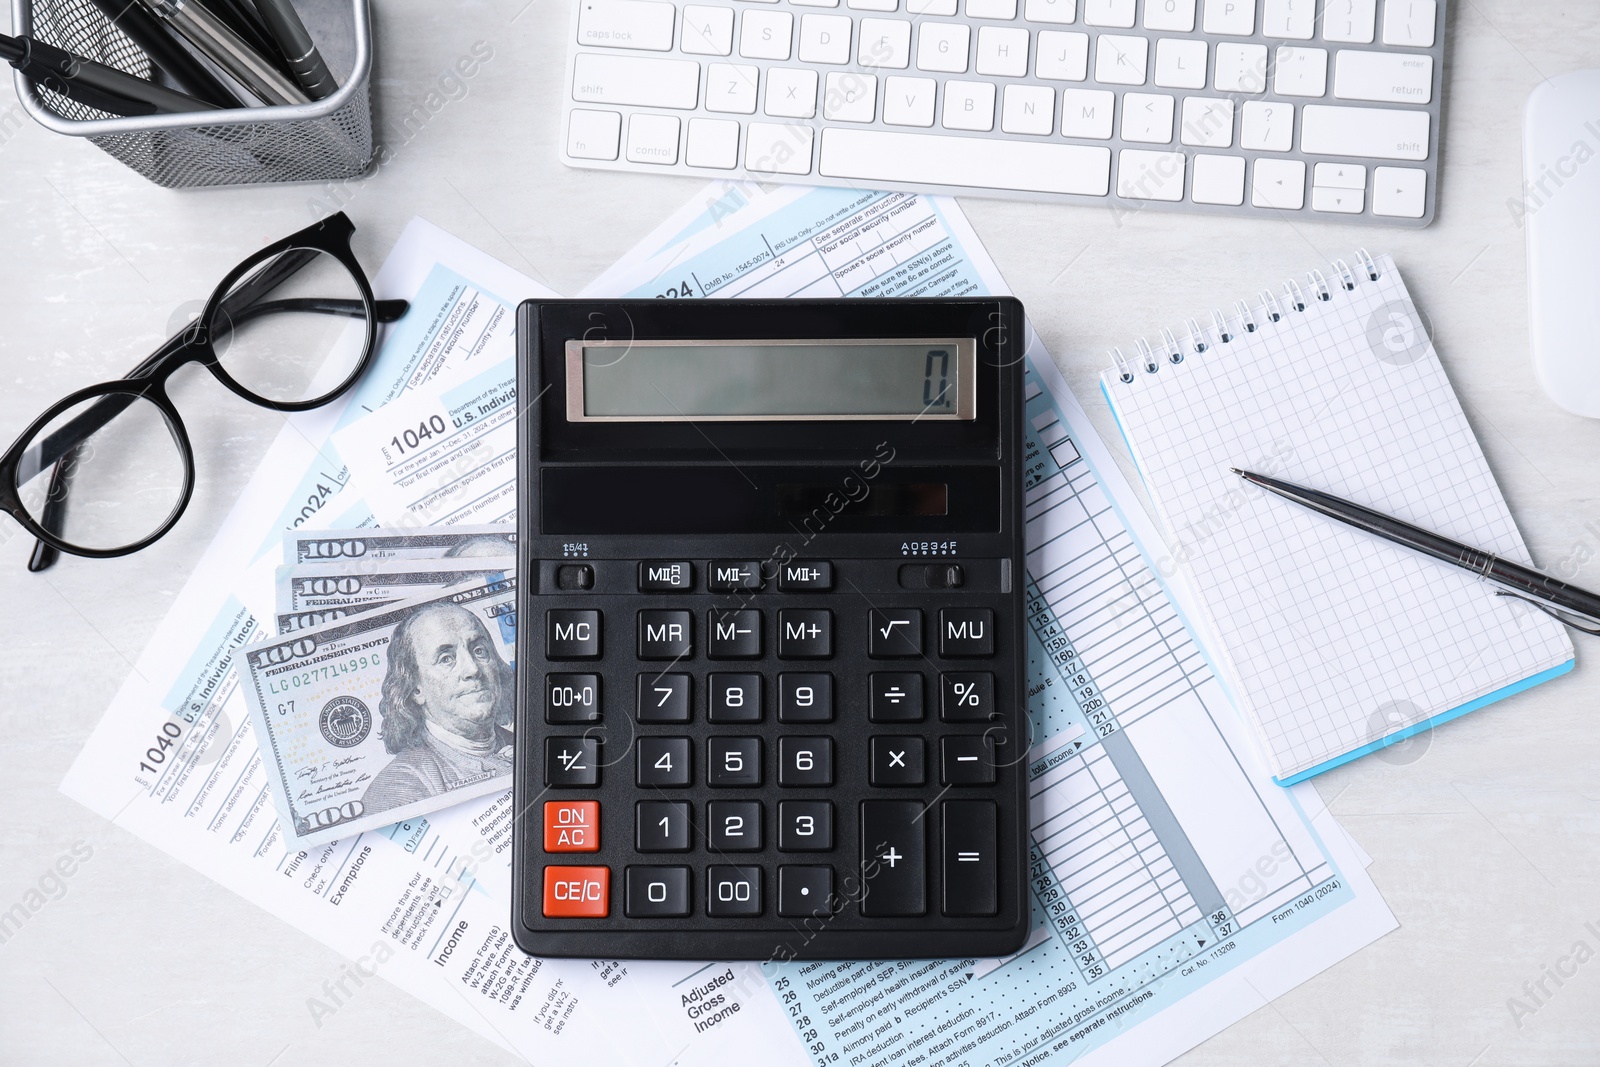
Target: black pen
{"x": 298, "y": 48}
{"x": 1577, "y": 608}
{"x": 100, "y": 87}
{"x": 185, "y": 71}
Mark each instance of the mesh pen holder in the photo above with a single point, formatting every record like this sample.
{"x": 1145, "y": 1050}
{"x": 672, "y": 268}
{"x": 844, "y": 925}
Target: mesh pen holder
{"x": 319, "y": 141}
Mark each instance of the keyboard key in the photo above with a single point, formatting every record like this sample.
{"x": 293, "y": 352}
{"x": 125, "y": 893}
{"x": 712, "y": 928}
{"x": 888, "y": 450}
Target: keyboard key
{"x": 909, "y": 101}
{"x": 1241, "y": 68}
{"x": 577, "y": 892}
{"x": 1002, "y": 52}
{"x": 895, "y": 696}
{"x": 1120, "y": 60}
{"x": 1350, "y": 21}
{"x": 970, "y": 834}
{"x": 732, "y": 576}
{"x": 805, "y": 826}
{"x": 825, "y": 38}
{"x": 968, "y": 106}
{"x": 1399, "y": 192}
{"x": 733, "y": 826}
{"x": 733, "y": 761}
{"x": 805, "y": 633}
{"x": 966, "y": 759}
{"x": 665, "y": 634}
{"x": 967, "y": 696}
{"x": 655, "y": 892}
{"x": 1087, "y": 113}
{"x": 663, "y": 763}
{"x": 730, "y": 87}
{"x": 1387, "y": 77}
{"x": 1266, "y": 127}
{"x": 1339, "y": 176}
{"x": 1147, "y": 118}
{"x": 605, "y": 79}
{"x": 872, "y": 5}
{"x": 850, "y": 97}
{"x": 805, "y": 891}
{"x": 1114, "y": 13}
{"x": 805, "y": 761}
{"x": 805, "y": 697}
{"x": 773, "y": 148}
{"x": 572, "y": 826}
{"x": 1236, "y": 17}
{"x": 593, "y": 134}
{"x": 653, "y": 139}
{"x": 733, "y": 634}
{"x": 924, "y": 159}
{"x": 897, "y": 761}
{"x": 1063, "y": 55}
{"x": 766, "y": 34}
{"x": 1177, "y": 15}
{"x": 1218, "y": 180}
{"x": 1207, "y": 123}
{"x": 571, "y": 761}
{"x": 733, "y": 698}
{"x": 707, "y": 31}
{"x": 1363, "y": 131}
{"x": 942, "y": 46}
{"x": 572, "y": 634}
{"x": 641, "y": 24}
{"x": 662, "y": 698}
{"x": 1409, "y": 23}
{"x": 712, "y": 143}
{"x": 815, "y": 3}
{"x": 1060, "y": 12}
{"x": 966, "y": 631}
{"x": 939, "y": 8}
{"x": 884, "y": 43}
{"x": 893, "y": 858}
{"x": 1338, "y": 201}
{"x": 661, "y": 826}
{"x": 1300, "y": 71}
{"x": 733, "y": 892}
{"x": 1295, "y": 20}
{"x": 894, "y": 632}
{"x": 1180, "y": 64}
{"x": 807, "y": 575}
{"x": 991, "y": 9}
{"x": 572, "y": 698}
{"x": 1278, "y": 183}
{"x": 664, "y": 576}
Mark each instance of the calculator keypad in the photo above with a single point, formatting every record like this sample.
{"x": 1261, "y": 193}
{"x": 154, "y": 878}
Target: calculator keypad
{"x": 789, "y": 749}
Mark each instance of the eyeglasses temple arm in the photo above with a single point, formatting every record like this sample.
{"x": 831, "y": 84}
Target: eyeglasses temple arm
{"x": 55, "y": 504}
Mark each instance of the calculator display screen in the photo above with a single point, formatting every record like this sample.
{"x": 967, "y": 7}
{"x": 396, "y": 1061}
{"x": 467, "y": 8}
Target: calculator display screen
{"x": 816, "y": 380}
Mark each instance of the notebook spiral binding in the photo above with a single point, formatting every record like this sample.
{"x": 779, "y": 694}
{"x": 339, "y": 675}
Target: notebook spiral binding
{"x": 1269, "y": 310}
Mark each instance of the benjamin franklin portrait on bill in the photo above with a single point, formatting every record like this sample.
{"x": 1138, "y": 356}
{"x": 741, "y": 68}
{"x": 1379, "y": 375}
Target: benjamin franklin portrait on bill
{"x": 447, "y": 705}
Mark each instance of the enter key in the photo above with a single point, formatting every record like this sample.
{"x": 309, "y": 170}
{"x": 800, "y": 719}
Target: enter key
{"x": 1384, "y": 77}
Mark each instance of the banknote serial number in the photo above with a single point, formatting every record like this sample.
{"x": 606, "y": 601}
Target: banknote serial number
{"x": 156, "y": 754}
{"x": 302, "y": 679}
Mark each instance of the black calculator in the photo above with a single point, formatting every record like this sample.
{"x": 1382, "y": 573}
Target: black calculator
{"x": 771, "y": 689}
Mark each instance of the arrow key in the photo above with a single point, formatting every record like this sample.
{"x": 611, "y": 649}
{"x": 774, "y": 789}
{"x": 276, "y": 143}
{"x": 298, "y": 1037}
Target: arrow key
{"x": 1341, "y": 201}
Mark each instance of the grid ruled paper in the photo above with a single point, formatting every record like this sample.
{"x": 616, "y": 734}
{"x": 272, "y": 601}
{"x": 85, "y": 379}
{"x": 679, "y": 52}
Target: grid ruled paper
{"x": 1337, "y": 638}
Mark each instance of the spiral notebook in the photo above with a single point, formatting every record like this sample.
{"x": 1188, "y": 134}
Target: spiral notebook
{"x": 1342, "y": 643}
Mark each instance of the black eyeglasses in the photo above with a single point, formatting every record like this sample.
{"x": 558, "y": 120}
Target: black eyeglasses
{"x": 290, "y": 328}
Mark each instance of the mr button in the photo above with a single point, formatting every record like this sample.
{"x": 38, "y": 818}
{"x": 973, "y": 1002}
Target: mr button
{"x": 572, "y": 826}
{"x": 577, "y": 892}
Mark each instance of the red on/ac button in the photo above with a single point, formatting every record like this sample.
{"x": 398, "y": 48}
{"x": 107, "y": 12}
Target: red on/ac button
{"x": 577, "y": 892}
{"x": 572, "y": 826}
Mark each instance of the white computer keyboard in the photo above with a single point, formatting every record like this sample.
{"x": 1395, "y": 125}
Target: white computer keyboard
{"x": 1324, "y": 107}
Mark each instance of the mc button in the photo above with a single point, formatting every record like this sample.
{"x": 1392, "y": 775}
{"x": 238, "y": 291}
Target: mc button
{"x": 572, "y": 634}
{"x": 577, "y": 892}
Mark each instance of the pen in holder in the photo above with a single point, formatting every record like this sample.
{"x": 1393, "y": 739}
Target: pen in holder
{"x": 323, "y": 140}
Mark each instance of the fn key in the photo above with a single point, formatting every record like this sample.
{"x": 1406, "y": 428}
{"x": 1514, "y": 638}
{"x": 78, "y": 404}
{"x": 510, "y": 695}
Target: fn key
{"x": 968, "y": 848}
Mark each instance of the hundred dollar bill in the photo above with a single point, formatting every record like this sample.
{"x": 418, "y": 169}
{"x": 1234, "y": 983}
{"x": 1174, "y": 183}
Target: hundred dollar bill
{"x": 386, "y": 715}
{"x": 310, "y": 594}
{"x": 374, "y": 542}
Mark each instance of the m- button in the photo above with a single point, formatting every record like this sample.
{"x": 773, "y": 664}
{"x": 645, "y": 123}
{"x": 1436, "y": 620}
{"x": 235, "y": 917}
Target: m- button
{"x": 572, "y": 826}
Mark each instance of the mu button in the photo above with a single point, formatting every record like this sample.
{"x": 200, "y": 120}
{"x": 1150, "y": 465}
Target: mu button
{"x": 577, "y": 892}
{"x": 572, "y": 826}
{"x": 966, "y": 632}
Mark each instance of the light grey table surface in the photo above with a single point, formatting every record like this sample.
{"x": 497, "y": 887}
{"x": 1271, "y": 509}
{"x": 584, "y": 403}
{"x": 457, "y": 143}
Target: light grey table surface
{"x": 1485, "y": 838}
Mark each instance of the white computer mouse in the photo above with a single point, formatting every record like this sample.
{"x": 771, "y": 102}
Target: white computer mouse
{"x": 1560, "y": 208}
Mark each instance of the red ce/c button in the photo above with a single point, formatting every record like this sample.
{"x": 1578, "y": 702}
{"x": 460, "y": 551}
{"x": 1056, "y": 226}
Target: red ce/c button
{"x": 577, "y": 892}
{"x": 572, "y": 826}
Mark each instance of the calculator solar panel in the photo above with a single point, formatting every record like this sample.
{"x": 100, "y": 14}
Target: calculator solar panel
{"x": 771, "y": 666}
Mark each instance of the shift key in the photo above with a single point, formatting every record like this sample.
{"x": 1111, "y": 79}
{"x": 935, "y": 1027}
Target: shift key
{"x": 1373, "y": 132}
{"x": 640, "y": 24}
{"x": 604, "y": 79}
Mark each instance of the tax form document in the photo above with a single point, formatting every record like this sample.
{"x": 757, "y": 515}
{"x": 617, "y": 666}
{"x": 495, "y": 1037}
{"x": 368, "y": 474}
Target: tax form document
{"x": 176, "y": 762}
{"x": 1175, "y": 887}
